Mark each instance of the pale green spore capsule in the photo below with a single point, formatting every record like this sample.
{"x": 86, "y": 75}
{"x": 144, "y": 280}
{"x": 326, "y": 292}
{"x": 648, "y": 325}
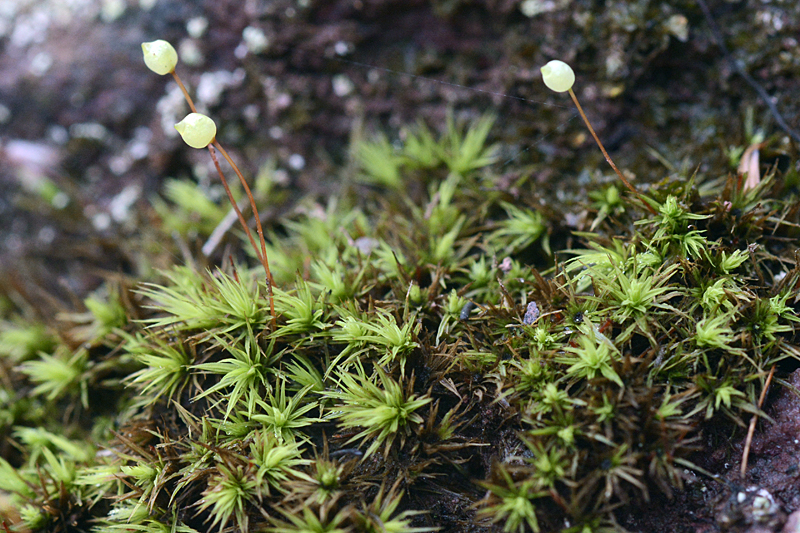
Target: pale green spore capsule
{"x": 558, "y": 76}
{"x": 160, "y": 56}
{"x": 197, "y": 130}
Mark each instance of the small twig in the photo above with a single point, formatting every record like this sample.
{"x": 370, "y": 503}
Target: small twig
{"x": 751, "y": 430}
{"x": 219, "y": 232}
{"x": 608, "y": 158}
{"x": 697, "y": 468}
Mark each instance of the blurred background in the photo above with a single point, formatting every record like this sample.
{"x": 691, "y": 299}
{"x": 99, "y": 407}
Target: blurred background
{"x": 86, "y": 136}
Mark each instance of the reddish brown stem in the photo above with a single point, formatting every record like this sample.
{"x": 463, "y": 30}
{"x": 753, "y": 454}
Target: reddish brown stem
{"x": 242, "y": 221}
{"x": 261, "y": 255}
{"x": 185, "y": 92}
{"x": 259, "y": 229}
{"x": 608, "y": 157}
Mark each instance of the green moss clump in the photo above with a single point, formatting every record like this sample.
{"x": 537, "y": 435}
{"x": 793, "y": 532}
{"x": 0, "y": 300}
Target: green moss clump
{"x": 429, "y": 367}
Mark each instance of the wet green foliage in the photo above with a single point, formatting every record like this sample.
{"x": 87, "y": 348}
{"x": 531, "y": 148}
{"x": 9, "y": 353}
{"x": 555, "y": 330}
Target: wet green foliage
{"x": 429, "y": 367}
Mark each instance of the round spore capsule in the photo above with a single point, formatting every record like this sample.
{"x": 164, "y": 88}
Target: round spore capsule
{"x": 558, "y": 76}
{"x": 197, "y": 130}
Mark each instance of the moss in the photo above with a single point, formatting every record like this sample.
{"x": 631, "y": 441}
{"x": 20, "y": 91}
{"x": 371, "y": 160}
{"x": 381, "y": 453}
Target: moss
{"x": 405, "y": 381}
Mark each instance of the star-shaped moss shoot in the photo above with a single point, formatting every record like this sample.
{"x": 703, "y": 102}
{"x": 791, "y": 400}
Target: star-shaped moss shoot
{"x": 559, "y": 77}
{"x": 160, "y": 56}
{"x": 197, "y": 130}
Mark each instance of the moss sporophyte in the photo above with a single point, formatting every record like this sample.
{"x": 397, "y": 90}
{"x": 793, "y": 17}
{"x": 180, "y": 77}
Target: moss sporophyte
{"x": 199, "y": 131}
{"x": 559, "y": 77}
{"x": 412, "y": 371}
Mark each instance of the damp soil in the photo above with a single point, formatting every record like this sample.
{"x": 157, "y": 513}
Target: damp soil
{"x": 84, "y": 145}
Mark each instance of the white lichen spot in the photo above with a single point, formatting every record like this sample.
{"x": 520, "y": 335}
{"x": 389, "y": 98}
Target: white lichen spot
{"x": 147, "y": 5}
{"x": 40, "y": 64}
{"x": 573, "y": 220}
{"x": 30, "y": 29}
{"x": 678, "y": 26}
{"x": 282, "y": 101}
{"x": 121, "y": 204}
{"x": 139, "y": 146}
{"x": 764, "y": 506}
{"x": 255, "y": 39}
{"x": 46, "y": 235}
{"x": 240, "y": 52}
{"x": 213, "y": 84}
{"x": 531, "y": 8}
{"x": 280, "y": 177}
{"x": 5, "y": 114}
{"x": 196, "y": 27}
{"x": 58, "y": 134}
{"x": 120, "y": 164}
{"x": 772, "y": 21}
{"x": 582, "y": 19}
{"x": 89, "y": 130}
{"x": 341, "y": 48}
{"x": 276, "y": 133}
{"x": 32, "y": 160}
{"x": 60, "y": 200}
{"x": 616, "y": 64}
{"x": 111, "y": 10}
{"x": 251, "y": 112}
{"x": 190, "y": 52}
{"x": 296, "y": 162}
{"x": 202, "y": 174}
{"x": 342, "y": 86}
{"x": 101, "y": 221}
{"x": 366, "y": 245}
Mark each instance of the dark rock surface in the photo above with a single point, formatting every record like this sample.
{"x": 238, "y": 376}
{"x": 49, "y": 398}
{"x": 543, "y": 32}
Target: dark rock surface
{"x": 88, "y": 129}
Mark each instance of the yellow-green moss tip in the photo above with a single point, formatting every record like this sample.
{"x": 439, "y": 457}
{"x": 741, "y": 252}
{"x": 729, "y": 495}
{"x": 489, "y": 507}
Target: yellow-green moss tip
{"x": 160, "y": 56}
{"x": 197, "y": 130}
{"x": 558, "y": 76}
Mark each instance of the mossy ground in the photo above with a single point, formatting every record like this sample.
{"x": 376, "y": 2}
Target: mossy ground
{"x": 592, "y": 405}
{"x": 432, "y": 365}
